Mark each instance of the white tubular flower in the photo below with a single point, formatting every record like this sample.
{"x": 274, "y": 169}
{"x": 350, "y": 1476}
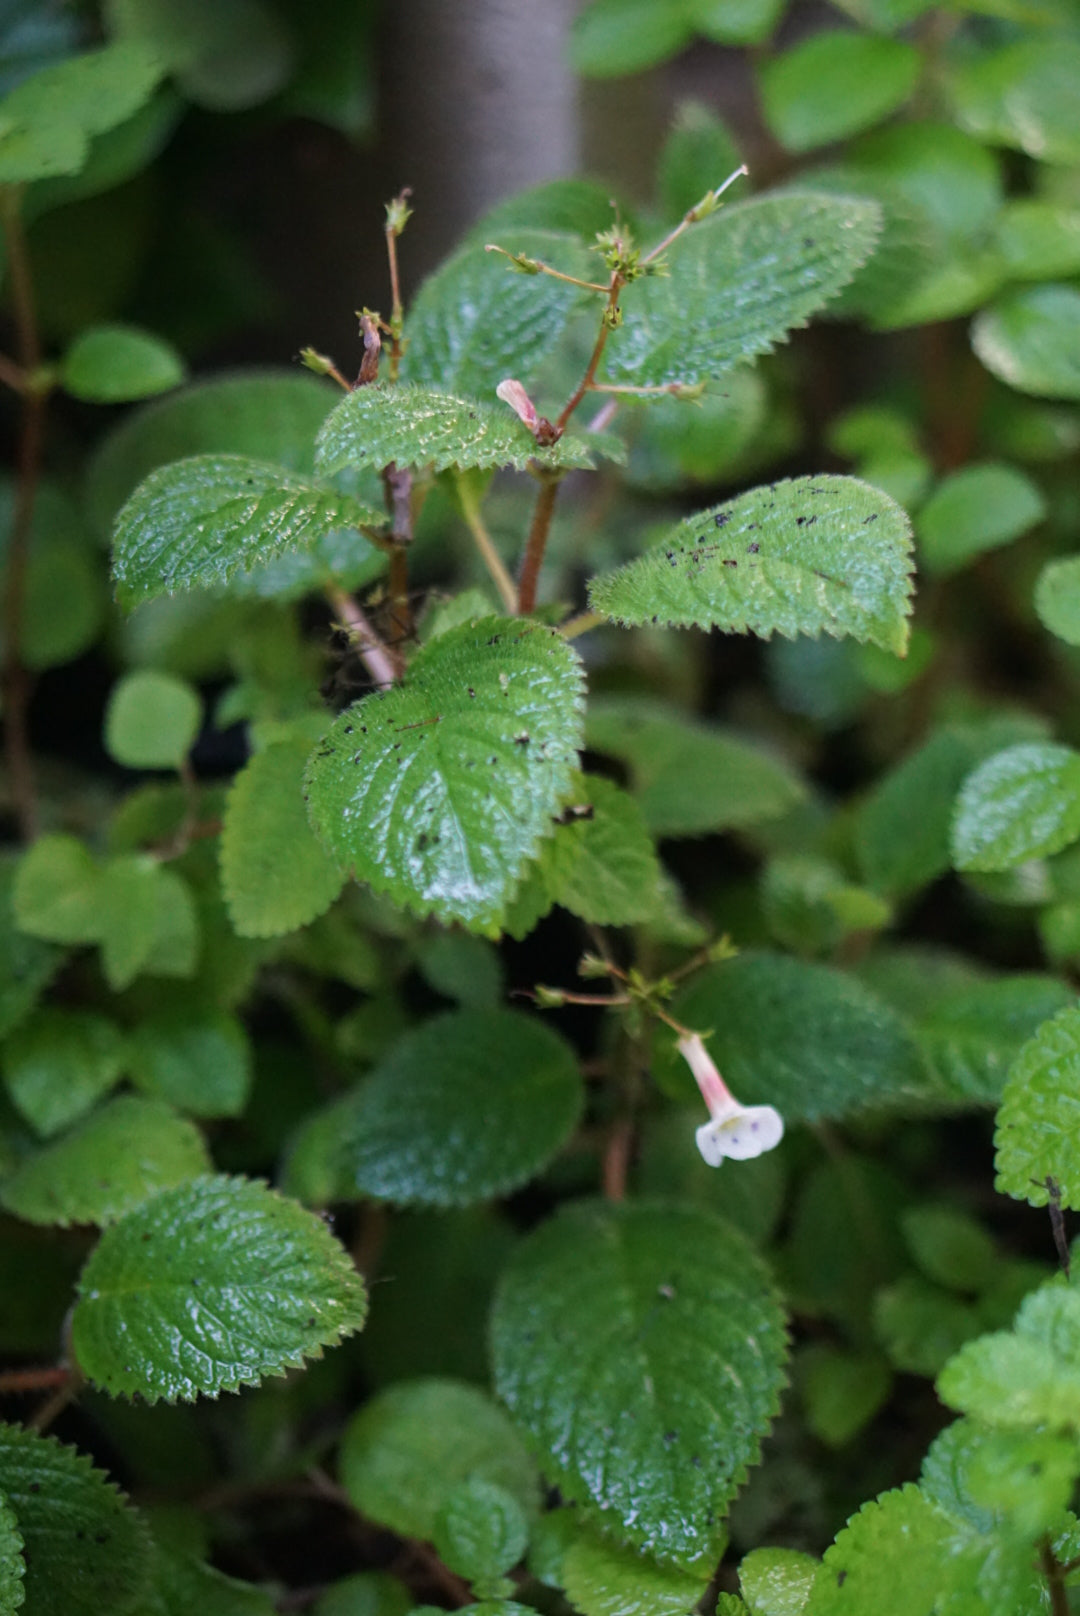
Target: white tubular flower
{"x": 738, "y": 1131}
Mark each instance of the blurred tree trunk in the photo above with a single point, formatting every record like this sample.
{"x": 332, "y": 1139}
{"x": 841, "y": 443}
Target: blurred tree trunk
{"x": 478, "y": 101}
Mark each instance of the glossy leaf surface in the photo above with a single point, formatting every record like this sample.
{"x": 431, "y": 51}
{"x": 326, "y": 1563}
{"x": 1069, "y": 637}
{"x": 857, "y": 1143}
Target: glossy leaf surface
{"x": 112, "y": 1162}
{"x": 1020, "y": 804}
{"x": 464, "y": 1108}
{"x": 439, "y": 791}
{"x": 811, "y": 555}
{"x": 738, "y": 284}
{"x": 255, "y": 1285}
{"x": 614, "y": 1328}
{"x": 199, "y": 522}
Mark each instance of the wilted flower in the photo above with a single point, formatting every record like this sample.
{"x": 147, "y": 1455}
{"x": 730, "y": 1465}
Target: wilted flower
{"x": 738, "y": 1131}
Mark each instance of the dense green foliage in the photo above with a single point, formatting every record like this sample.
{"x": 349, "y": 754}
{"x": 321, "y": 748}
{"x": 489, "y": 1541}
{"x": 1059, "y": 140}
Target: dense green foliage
{"x": 386, "y": 887}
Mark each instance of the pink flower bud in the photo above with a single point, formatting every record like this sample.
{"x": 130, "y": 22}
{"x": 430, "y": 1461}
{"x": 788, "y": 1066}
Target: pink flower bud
{"x": 512, "y": 393}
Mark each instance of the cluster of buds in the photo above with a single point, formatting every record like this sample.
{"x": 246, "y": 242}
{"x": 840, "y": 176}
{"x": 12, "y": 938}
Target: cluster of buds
{"x": 735, "y": 1130}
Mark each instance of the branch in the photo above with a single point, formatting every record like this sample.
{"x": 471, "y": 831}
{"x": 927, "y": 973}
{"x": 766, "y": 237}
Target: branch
{"x": 382, "y": 663}
{"x": 536, "y": 543}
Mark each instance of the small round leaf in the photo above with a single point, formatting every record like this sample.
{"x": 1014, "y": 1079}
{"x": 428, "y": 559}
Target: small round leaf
{"x": 151, "y": 720}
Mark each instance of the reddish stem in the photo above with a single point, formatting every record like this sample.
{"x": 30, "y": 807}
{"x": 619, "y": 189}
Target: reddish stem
{"x": 536, "y": 543}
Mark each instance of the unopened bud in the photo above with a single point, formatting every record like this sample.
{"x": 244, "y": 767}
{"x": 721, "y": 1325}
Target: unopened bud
{"x": 398, "y": 212}
{"x": 591, "y": 966}
{"x": 548, "y": 998}
{"x": 319, "y": 363}
{"x": 513, "y": 393}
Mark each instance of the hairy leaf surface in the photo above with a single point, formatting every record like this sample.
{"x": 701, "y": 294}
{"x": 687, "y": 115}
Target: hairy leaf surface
{"x": 439, "y": 791}
{"x": 1020, "y": 804}
{"x": 738, "y": 283}
{"x": 601, "y": 1578}
{"x": 416, "y": 426}
{"x": 808, "y": 1039}
{"x": 1026, "y": 1376}
{"x": 477, "y": 320}
{"x": 690, "y": 778}
{"x": 642, "y": 1348}
{"x": 275, "y": 875}
{"x": 112, "y": 1162}
{"x": 86, "y": 1551}
{"x": 253, "y": 1285}
{"x": 464, "y": 1108}
{"x": 1037, "y": 1136}
{"x": 197, "y": 523}
{"x": 810, "y": 555}
{"x": 12, "y": 1564}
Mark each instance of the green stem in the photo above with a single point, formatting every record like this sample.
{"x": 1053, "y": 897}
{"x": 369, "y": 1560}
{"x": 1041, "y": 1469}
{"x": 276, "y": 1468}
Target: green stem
{"x": 470, "y": 510}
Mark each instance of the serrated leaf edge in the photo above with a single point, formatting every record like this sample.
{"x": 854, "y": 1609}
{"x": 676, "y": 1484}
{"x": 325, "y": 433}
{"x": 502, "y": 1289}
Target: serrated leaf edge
{"x": 296, "y": 1361}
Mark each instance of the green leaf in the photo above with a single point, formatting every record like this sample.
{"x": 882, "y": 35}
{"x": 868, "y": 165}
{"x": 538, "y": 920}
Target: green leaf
{"x": 1037, "y": 1137}
{"x": 477, "y": 320}
{"x": 146, "y": 920}
{"x": 611, "y": 37}
{"x": 47, "y": 122}
{"x": 974, "y": 510}
{"x": 809, "y": 555}
{"x": 1057, "y": 598}
{"x": 841, "y": 1391}
{"x": 1029, "y": 337}
{"x": 898, "y": 1554}
{"x": 834, "y": 84}
{"x": 810, "y": 907}
{"x": 1026, "y": 1376}
{"x": 86, "y": 1551}
{"x": 226, "y": 54}
{"x": 414, "y": 426}
{"x": 920, "y": 1326}
{"x": 601, "y": 863}
{"x": 971, "y": 1033}
{"x": 199, "y": 522}
{"x": 366, "y": 1593}
{"x": 806, "y": 1038}
{"x": 253, "y": 1286}
{"x": 12, "y": 1564}
{"x": 697, "y": 155}
{"x": 949, "y": 177}
{"x": 59, "y": 1063}
{"x": 461, "y": 967}
{"x": 112, "y": 1162}
{"x": 949, "y": 1246}
{"x": 575, "y": 206}
{"x": 152, "y": 720}
{"x": 275, "y": 876}
{"x": 1023, "y": 96}
{"x": 55, "y": 895}
{"x": 199, "y": 1062}
{"x": 777, "y": 1582}
{"x": 65, "y": 590}
{"x": 690, "y": 778}
{"x": 110, "y": 364}
{"x": 1025, "y": 1478}
{"x": 477, "y": 749}
{"x": 409, "y": 1448}
{"x": 185, "y": 1586}
{"x": 269, "y": 414}
{"x": 673, "y": 1304}
{"x": 601, "y": 1578}
{"x": 465, "y": 1108}
{"x": 1039, "y": 240}
{"x": 27, "y": 965}
{"x": 902, "y": 826}
{"x": 735, "y": 22}
{"x": 481, "y": 1530}
{"x": 738, "y": 283}
{"x": 1020, "y": 804}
